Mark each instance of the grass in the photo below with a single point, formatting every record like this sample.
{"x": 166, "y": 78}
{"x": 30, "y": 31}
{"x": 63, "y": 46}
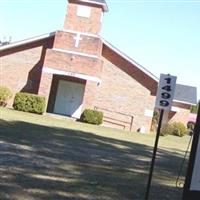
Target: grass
{"x": 45, "y": 158}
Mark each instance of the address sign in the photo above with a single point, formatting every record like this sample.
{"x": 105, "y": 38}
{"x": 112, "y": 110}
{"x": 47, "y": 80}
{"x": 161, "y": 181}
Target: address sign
{"x": 165, "y": 92}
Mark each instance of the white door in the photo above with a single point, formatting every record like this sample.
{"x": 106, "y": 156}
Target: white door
{"x": 69, "y": 98}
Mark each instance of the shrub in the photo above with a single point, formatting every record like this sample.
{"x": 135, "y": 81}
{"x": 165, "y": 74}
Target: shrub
{"x": 179, "y": 129}
{"x": 166, "y": 130}
{"x": 92, "y": 116}
{"x": 5, "y": 95}
{"x": 194, "y": 108}
{"x": 29, "y": 103}
{"x": 176, "y": 128}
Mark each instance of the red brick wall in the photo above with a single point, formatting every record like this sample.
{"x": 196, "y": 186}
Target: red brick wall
{"x": 122, "y": 93}
{"x": 45, "y": 85}
{"x": 182, "y": 115}
{"x": 88, "y": 44}
{"x": 73, "y": 63}
{"x": 21, "y": 67}
{"x": 91, "y": 91}
{"x": 82, "y": 24}
{"x": 16, "y": 67}
{"x": 130, "y": 69}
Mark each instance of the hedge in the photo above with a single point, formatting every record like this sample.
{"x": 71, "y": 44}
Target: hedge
{"x": 179, "y": 129}
{"x": 92, "y": 116}
{"x": 29, "y": 103}
{"x": 176, "y": 128}
{"x": 5, "y": 95}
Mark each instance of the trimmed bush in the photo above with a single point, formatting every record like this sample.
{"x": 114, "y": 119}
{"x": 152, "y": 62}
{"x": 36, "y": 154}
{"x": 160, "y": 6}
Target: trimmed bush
{"x": 92, "y": 116}
{"x": 179, "y": 129}
{"x": 166, "y": 130}
{"x": 5, "y": 95}
{"x": 29, "y": 103}
{"x": 176, "y": 128}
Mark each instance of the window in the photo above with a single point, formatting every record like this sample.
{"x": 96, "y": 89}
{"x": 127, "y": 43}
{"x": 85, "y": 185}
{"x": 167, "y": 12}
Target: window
{"x": 83, "y": 11}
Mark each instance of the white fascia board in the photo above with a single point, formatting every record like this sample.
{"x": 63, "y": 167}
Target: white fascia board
{"x": 72, "y": 74}
{"x": 105, "y": 7}
{"x": 22, "y": 42}
{"x": 183, "y": 102}
{"x": 82, "y": 33}
{"x": 75, "y": 53}
{"x": 130, "y": 60}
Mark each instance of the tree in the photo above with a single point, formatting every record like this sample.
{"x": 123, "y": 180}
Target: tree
{"x": 194, "y": 108}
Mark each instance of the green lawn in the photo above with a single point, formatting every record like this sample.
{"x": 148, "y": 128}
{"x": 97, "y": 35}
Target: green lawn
{"x": 43, "y": 158}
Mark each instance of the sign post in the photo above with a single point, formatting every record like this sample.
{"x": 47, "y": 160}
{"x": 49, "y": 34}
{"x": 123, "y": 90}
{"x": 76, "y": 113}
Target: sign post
{"x": 191, "y": 189}
{"x": 164, "y": 98}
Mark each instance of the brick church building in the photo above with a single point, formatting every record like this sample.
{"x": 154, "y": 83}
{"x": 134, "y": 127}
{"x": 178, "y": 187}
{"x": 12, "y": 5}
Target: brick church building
{"x": 75, "y": 68}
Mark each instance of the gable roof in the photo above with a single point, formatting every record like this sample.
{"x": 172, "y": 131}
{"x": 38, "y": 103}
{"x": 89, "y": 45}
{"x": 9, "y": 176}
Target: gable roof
{"x": 101, "y": 3}
{"x": 133, "y": 62}
{"x": 185, "y": 94}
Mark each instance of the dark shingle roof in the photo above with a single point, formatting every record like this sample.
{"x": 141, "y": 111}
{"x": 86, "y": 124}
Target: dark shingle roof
{"x": 97, "y": 2}
{"x": 186, "y": 94}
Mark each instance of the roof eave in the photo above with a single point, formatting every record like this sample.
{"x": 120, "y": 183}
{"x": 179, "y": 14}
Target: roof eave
{"x": 103, "y": 5}
{"x": 22, "y": 42}
{"x": 184, "y": 102}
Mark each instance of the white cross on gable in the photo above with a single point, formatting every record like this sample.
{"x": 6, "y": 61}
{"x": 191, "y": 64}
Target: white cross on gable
{"x": 77, "y": 39}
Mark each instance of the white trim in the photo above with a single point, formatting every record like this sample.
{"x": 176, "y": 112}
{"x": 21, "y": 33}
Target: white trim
{"x": 184, "y": 102}
{"x": 75, "y": 52}
{"x": 104, "y": 5}
{"x": 81, "y": 33}
{"x": 175, "y": 109}
{"x": 148, "y": 113}
{"x": 49, "y": 70}
{"x": 22, "y": 42}
{"x": 130, "y": 60}
{"x": 102, "y": 16}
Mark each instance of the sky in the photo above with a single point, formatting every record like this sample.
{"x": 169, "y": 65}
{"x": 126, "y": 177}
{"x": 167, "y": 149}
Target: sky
{"x": 163, "y": 36}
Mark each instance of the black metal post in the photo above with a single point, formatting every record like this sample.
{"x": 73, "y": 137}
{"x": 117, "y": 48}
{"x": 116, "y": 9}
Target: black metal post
{"x": 154, "y": 155}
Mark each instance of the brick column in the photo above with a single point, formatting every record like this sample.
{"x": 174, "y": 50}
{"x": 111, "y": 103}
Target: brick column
{"x": 90, "y": 94}
{"x": 45, "y": 86}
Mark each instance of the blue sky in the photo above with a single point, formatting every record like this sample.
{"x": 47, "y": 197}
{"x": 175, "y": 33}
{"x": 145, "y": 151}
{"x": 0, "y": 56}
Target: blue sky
{"x": 163, "y": 36}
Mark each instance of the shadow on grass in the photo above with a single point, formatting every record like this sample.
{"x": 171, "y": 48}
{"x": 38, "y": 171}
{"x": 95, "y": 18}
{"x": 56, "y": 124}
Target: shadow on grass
{"x": 48, "y": 163}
